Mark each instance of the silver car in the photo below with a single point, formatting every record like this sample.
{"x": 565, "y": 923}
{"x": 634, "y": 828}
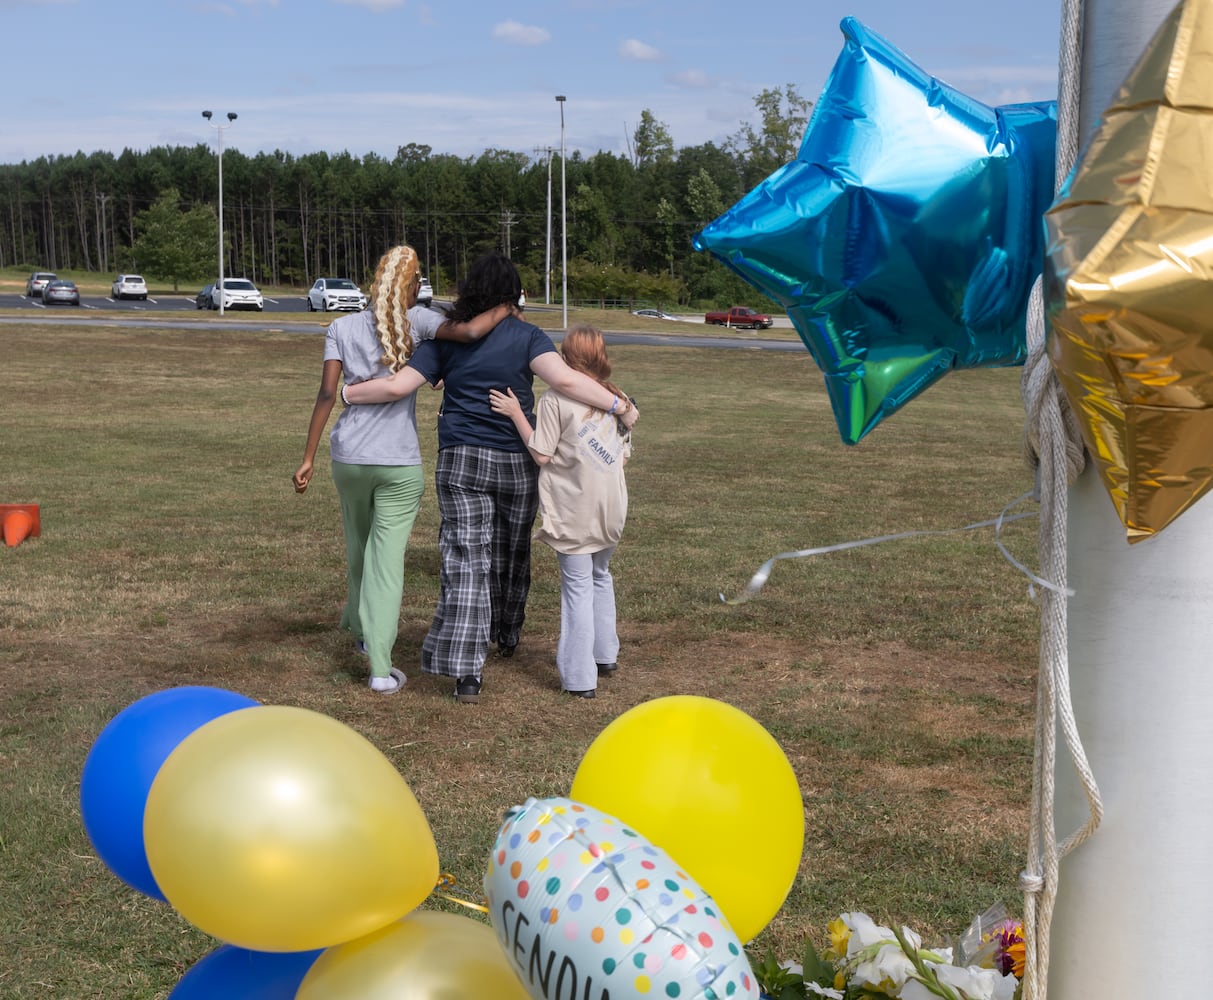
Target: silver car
{"x": 425, "y": 294}
{"x": 64, "y": 292}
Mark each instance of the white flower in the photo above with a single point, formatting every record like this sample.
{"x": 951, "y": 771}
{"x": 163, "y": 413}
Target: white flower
{"x": 877, "y": 958}
{"x": 865, "y": 932}
{"x": 972, "y": 983}
{"x": 883, "y": 966}
{"x": 823, "y": 991}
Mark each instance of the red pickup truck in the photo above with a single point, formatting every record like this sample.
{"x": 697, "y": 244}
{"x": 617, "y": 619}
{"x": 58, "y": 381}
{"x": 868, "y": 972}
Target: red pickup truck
{"x": 739, "y": 316}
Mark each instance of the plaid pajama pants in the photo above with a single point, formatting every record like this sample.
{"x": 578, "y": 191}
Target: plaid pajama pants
{"x": 488, "y": 500}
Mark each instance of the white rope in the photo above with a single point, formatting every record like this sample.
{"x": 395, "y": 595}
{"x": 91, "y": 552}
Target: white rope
{"x": 1054, "y": 445}
{"x": 763, "y": 573}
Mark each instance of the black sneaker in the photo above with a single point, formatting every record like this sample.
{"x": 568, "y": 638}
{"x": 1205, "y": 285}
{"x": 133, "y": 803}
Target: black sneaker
{"x": 467, "y": 690}
{"x": 505, "y": 649}
{"x": 582, "y": 694}
{"x": 606, "y": 669}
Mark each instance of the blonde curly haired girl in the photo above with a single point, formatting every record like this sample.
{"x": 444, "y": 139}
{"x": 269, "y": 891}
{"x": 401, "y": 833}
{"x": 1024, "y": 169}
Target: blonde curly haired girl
{"x": 393, "y": 293}
{"x": 375, "y": 452}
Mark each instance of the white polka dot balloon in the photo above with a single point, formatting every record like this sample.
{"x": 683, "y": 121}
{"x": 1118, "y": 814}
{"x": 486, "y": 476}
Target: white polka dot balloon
{"x": 585, "y": 907}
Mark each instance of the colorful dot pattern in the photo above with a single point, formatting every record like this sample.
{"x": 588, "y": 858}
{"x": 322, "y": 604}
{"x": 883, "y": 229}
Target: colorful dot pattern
{"x": 573, "y": 889}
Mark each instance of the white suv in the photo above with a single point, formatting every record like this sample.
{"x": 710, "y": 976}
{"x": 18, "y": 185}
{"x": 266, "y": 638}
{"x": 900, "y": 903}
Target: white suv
{"x": 129, "y": 286}
{"x": 329, "y": 294}
{"x": 38, "y": 281}
{"x": 425, "y": 294}
{"x": 238, "y": 293}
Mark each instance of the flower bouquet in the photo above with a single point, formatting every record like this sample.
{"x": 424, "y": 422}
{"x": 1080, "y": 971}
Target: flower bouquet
{"x": 865, "y": 961}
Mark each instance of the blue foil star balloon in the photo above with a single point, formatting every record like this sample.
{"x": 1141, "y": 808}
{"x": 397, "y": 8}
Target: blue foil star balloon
{"x": 905, "y": 237}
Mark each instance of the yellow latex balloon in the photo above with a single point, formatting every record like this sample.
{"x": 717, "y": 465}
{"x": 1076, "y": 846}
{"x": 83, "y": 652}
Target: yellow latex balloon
{"x": 281, "y": 829}
{"x": 705, "y": 782}
{"x": 425, "y": 956}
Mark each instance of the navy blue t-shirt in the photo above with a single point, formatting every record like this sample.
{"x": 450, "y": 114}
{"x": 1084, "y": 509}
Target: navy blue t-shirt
{"x": 499, "y": 360}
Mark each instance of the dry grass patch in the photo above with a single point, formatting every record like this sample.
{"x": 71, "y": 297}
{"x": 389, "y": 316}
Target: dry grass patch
{"x": 898, "y": 678}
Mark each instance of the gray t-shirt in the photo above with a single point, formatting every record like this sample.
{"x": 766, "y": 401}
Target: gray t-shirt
{"x": 384, "y": 433}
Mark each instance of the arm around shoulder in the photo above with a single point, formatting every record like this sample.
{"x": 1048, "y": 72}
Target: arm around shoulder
{"x": 551, "y": 368}
{"x": 478, "y": 326}
{"x": 396, "y": 386}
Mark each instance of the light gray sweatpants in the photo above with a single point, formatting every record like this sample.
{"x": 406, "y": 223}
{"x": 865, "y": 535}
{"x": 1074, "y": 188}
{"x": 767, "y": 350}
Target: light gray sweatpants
{"x": 587, "y": 619}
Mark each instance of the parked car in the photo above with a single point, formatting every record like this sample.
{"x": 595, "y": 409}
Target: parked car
{"x": 203, "y": 299}
{"x": 425, "y": 294}
{"x": 60, "y": 292}
{"x": 238, "y": 293}
{"x": 329, "y": 294}
{"x": 653, "y": 314}
{"x": 739, "y": 316}
{"x": 130, "y": 286}
{"x": 38, "y": 281}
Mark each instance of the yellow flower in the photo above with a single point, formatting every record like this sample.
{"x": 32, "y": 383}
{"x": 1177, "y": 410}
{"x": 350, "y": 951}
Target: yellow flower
{"x": 840, "y": 936}
{"x": 1017, "y": 953}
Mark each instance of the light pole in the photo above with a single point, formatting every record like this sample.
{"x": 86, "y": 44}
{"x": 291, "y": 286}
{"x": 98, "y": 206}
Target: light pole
{"x": 547, "y": 262}
{"x": 547, "y": 273}
{"x": 219, "y": 127}
{"x": 564, "y": 227}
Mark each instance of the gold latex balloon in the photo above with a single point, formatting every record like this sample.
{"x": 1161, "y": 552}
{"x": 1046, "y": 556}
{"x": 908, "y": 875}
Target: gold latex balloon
{"x": 281, "y": 829}
{"x": 1129, "y": 280}
{"x": 425, "y": 956}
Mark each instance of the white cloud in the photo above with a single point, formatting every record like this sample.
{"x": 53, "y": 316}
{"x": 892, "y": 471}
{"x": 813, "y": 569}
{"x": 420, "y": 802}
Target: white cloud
{"x": 520, "y": 34}
{"x": 374, "y": 6}
{"x": 637, "y": 50}
{"x": 696, "y": 79}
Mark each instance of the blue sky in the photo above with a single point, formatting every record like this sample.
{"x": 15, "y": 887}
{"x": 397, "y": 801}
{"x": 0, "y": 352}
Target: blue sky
{"x": 465, "y": 75}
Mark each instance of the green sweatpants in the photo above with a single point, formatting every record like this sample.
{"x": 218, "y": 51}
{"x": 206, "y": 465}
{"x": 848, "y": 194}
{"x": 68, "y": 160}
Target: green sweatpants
{"x": 378, "y": 506}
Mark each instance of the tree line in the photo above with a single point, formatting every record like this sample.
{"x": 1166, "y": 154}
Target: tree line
{"x": 290, "y": 219}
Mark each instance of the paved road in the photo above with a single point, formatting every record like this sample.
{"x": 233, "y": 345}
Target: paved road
{"x": 159, "y": 303}
{"x": 104, "y": 311}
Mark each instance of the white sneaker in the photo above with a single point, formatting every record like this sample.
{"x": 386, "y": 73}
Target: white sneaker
{"x": 393, "y": 682}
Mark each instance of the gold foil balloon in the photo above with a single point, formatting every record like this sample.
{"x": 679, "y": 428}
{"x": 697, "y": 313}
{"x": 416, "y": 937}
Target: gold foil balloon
{"x": 425, "y": 956}
{"x": 1128, "y": 280}
{"x": 281, "y": 829}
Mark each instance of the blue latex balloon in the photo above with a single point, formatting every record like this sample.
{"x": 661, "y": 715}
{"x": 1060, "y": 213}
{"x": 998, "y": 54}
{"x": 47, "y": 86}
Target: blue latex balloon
{"x": 123, "y": 762}
{"x": 233, "y": 973}
{"x": 905, "y": 237}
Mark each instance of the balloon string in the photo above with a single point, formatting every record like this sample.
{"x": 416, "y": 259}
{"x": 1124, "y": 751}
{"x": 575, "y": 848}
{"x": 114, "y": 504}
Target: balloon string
{"x": 447, "y": 881}
{"x": 759, "y": 579}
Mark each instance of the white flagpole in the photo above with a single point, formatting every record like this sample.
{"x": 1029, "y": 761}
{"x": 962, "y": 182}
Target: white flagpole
{"x": 1140, "y": 627}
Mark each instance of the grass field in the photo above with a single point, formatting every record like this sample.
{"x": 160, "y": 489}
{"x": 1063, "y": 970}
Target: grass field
{"x": 898, "y": 678}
